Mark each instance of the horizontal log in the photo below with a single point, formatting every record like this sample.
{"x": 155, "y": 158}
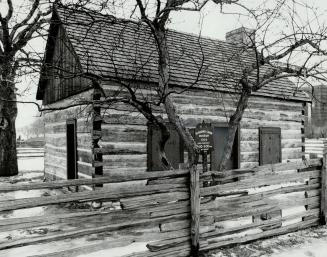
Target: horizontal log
{"x": 84, "y": 249}
{"x": 258, "y": 181}
{"x": 168, "y": 243}
{"x": 230, "y": 214}
{"x": 121, "y": 148}
{"x": 109, "y": 178}
{"x": 182, "y": 250}
{"x": 148, "y": 200}
{"x": 268, "y": 233}
{"x": 217, "y": 203}
{"x": 266, "y": 169}
{"x": 259, "y": 224}
{"x": 113, "y": 194}
{"x": 176, "y": 225}
{"x": 88, "y": 231}
{"x": 182, "y": 180}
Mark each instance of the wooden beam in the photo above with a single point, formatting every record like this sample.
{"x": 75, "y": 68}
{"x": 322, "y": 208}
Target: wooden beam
{"x": 323, "y": 216}
{"x": 109, "y": 194}
{"x": 195, "y": 210}
{"x": 87, "y": 231}
{"x": 214, "y": 243}
{"x": 110, "y": 178}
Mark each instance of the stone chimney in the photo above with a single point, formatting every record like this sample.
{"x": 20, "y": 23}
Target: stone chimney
{"x": 242, "y": 37}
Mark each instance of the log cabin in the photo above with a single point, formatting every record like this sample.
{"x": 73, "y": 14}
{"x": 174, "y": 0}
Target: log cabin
{"x": 87, "y": 138}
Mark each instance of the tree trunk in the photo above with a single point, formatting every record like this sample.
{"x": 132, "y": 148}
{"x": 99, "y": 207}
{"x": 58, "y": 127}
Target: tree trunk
{"x": 233, "y": 124}
{"x": 173, "y": 117}
{"x": 165, "y": 135}
{"x": 8, "y": 114}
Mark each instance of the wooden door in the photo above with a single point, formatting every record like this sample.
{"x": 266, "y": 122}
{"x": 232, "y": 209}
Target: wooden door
{"x": 270, "y": 145}
{"x": 71, "y": 139}
{"x": 219, "y": 142}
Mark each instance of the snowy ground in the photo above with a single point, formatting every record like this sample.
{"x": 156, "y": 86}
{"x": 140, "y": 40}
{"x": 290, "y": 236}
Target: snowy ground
{"x": 306, "y": 243}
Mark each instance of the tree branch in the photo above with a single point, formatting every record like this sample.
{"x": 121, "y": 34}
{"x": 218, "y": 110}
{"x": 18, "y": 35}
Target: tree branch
{"x": 10, "y": 10}
{"x": 26, "y": 20}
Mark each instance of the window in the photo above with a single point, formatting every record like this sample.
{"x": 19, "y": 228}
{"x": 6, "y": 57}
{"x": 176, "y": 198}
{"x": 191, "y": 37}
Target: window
{"x": 220, "y": 133}
{"x": 174, "y": 148}
{"x": 270, "y": 150}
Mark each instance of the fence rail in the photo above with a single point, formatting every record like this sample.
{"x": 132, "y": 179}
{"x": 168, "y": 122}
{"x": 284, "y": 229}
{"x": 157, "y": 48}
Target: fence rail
{"x": 30, "y": 152}
{"x": 160, "y": 208}
{"x": 315, "y": 147}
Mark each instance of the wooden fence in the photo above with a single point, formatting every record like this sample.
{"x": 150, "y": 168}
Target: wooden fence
{"x": 153, "y": 207}
{"x": 314, "y": 147}
{"x": 27, "y": 152}
{"x": 235, "y": 206}
{"x": 249, "y": 204}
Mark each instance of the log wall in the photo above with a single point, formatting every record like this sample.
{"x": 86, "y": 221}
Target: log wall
{"x": 122, "y": 137}
{"x": 55, "y": 158}
{"x": 124, "y": 130}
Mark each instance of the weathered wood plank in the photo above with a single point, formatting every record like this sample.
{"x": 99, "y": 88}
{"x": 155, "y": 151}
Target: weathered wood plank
{"x": 88, "y": 231}
{"x": 113, "y": 194}
{"x": 218, "y": 202}
{"x": 195, "y": 210}
{"x": 273, "y": 232}
{"x": 258, "y": 224}
{"x": 258, "y": 181}
{"x": 266, "y": 169}
{"x": 109, "y": 178}
{"x": 323, "y": 217}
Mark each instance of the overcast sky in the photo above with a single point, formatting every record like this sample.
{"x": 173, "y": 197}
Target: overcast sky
{"x": 210, "y": 22}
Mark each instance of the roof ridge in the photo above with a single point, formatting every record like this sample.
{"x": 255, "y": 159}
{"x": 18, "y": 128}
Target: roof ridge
{"x": 194, "y": 35}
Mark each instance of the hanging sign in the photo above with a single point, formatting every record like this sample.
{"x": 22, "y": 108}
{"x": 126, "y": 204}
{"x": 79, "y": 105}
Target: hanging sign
{"x": 203, "y": 137}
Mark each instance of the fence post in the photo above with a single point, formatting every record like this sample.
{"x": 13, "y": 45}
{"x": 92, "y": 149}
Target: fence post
{"x": 195, "y": 210}
{"x": 323, "y": 204}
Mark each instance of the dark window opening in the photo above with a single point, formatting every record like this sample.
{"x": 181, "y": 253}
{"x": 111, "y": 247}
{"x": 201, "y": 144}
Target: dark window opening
{"x": 220, "y": 134}
{"x": 71, "y": 149}
{"x": 174, "y": 148}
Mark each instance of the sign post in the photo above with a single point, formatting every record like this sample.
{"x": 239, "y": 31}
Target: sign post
{"x": 203, "y": 138}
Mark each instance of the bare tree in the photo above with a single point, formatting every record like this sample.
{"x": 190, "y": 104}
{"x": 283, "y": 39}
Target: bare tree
{"x": 15, "y": 57}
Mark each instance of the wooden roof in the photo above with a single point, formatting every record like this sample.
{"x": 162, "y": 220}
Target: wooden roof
{"x": 123, "y": 49}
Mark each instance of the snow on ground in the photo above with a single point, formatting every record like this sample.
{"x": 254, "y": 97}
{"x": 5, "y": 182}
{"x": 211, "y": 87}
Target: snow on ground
{"x": 31, "y": 164}
{"x": 119, "y": 251}
{"x": 315, "y": 249}
{"x": 311, "y": 242}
